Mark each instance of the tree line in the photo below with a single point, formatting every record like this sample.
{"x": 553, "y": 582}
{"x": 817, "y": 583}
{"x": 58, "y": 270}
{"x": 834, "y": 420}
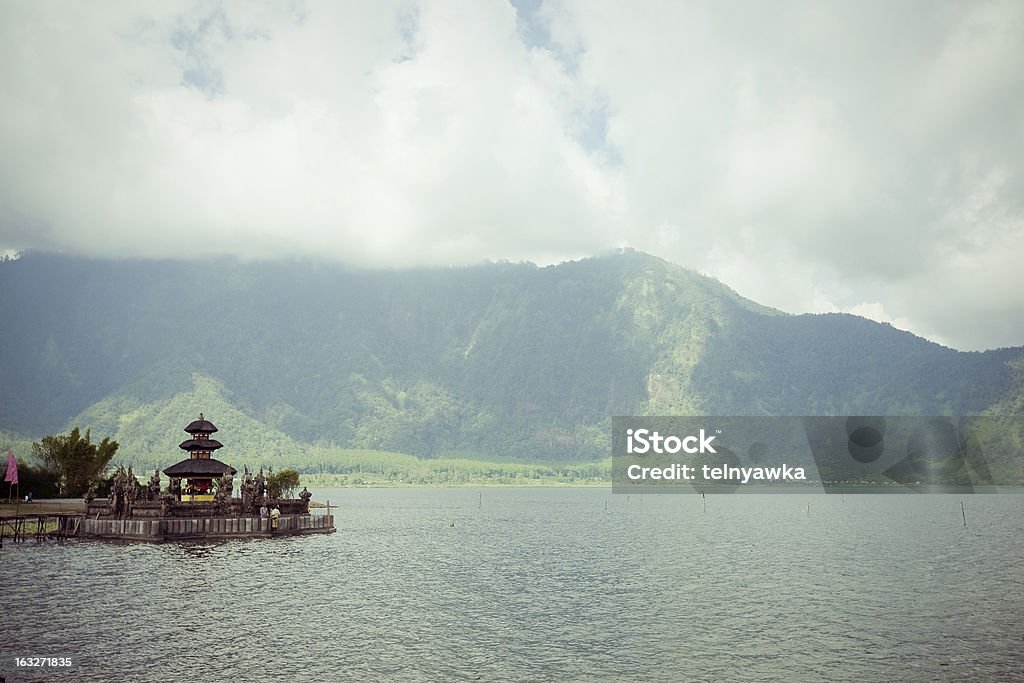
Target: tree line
{"x": 68, "y": 463}
{"x": 65, "y": 465}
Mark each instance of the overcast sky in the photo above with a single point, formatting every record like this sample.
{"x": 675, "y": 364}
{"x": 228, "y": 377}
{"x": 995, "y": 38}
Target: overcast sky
{"x": 815, "y": 156}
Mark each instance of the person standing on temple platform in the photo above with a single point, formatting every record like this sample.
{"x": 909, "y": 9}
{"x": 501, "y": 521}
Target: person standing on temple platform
{"x": 275, "y": 516}
{"x": 263, "y": 510}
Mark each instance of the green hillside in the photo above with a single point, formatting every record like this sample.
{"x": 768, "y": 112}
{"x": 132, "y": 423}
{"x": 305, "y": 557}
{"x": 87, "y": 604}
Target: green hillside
{"x": 498, "y": 362}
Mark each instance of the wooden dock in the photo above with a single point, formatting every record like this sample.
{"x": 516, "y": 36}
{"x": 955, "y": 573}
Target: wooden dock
{"x": 18, "y": 528}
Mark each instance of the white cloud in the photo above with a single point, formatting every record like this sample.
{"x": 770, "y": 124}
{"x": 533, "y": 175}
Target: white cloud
{"x": 814, "y": 156}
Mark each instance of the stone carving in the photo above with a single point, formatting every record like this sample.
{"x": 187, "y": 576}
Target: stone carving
{"x": 261, "y": 487}
{"x": 115, "y": 501}
{"x": 131, "y": 491}
{"x": 248, "y": 492}
{"x": 222, "y": 498}
{"x": 153, "y": 490}
{"x": 305, "y": 496}
{"x": 90, "y": 493}
{"x": 167, "y": 500}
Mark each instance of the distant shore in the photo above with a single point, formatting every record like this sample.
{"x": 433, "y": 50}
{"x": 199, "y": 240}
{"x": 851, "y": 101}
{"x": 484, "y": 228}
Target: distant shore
{"x": 49, "y": 506}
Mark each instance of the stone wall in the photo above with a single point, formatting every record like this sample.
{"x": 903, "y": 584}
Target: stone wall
{"x": 205, "y": 527}
{"x": 148, "y": 509}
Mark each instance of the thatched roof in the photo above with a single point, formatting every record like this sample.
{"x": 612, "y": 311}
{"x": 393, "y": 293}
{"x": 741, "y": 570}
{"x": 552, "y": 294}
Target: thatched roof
{"x": 200, "y": 426}
{"x": 200, "y": 445}
{"x": 200, "y": 467}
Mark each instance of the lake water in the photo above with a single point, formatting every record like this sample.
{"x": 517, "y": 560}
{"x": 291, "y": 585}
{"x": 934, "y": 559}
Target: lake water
{"x": 543, "y": 585}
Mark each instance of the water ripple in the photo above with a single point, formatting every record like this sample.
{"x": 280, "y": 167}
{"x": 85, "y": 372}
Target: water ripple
{"x": 543, "y": 585}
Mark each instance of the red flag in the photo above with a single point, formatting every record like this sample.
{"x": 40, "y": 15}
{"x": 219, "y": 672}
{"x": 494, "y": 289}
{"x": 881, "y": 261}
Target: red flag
{"x": 12, "y": 469}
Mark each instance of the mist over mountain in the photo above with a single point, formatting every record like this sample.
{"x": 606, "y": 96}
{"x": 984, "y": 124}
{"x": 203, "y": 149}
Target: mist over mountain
{"x": 498, "y": 360}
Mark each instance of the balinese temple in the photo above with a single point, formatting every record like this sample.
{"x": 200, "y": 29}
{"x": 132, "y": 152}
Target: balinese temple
{"x": 199, "y": 501}
{"x": 194, "y": 476}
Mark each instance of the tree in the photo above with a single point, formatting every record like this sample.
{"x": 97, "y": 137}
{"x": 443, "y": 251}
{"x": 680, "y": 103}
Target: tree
{"x": 282, "y": 483}
{"x": 74, "y": 459}
{"x": 37, "y": 479}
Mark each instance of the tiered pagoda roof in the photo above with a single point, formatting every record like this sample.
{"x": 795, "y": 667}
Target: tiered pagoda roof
{"x": 199, "y": 464}
{"x": 200, "y": 445}
{"x": 200, "y": 468}
{"x": 200, "y": 426}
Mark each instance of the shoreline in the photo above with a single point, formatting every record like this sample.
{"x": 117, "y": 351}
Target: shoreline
{"x": 45, "y": 506}
{"x": 52, "y": 506}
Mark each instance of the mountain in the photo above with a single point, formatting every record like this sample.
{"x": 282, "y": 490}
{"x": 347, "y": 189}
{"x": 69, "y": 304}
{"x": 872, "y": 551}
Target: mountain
{"x": 499, "y": 360}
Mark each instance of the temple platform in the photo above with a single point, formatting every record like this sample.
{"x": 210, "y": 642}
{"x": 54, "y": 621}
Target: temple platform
{"x": 198, "y": 502}
{"x": 191, "y": 528}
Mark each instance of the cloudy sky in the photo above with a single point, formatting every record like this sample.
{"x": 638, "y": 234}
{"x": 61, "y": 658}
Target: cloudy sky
{"x": 815, "y": 156}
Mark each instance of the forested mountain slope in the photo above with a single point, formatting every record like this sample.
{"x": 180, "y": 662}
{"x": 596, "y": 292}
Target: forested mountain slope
{"x": 497, "y": 360}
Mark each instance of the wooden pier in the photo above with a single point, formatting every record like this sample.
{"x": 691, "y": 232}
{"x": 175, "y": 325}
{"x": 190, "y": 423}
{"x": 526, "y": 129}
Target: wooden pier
{"x": 18, "y": 528}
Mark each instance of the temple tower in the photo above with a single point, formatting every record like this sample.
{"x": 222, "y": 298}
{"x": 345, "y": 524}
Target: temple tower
{"x": 200, "y": 445}
{"x": 200, "y": 469}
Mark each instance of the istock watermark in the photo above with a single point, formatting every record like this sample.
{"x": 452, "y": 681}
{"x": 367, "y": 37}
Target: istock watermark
{"x": 849, "y": 454}
{"x": 643, "y": 441}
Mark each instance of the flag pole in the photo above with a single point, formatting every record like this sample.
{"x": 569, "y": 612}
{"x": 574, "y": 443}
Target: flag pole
{"x": 12, "y": 474}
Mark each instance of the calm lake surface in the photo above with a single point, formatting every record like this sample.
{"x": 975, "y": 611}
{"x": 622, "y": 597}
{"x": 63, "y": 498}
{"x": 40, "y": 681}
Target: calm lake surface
{"x": 543, "y": 585}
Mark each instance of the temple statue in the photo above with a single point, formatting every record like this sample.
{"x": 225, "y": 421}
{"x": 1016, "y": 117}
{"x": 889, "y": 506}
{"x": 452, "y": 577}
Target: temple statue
{"x": 248, "y": 492}
{"x": 167, "y": 499}
{"x": 115, "y": 500}
{"x": 153, "y": 490}
{"x": 131, "y": 491}
{"x": 261, "y": 488}
{"x": 222, "y": 498}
